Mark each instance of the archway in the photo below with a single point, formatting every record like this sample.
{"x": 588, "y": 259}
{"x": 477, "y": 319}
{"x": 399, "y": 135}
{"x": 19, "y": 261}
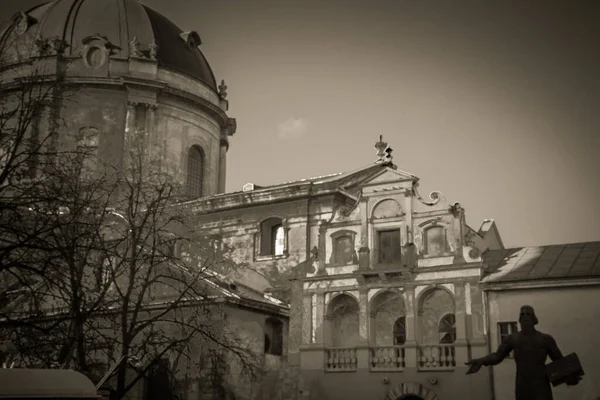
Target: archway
{"x": 411, "y": 391}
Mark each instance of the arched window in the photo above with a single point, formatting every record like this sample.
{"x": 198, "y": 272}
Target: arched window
{"x": 272, "y": 237}
{"x": 435, "y": 241}
{"x": 159, "y": 383}
{"x": 274, "y": 337}
{"x": 87, "y": 149}
{"x": 195, "y": 171}
{"x": 447, "y": 329}
{"x": 343, "y": 248}
{"x": 400, "y": 331}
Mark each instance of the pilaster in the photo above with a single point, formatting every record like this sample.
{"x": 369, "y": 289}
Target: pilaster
{"x": 223, "y": 147}
{"x": 461, "y": 342}
{"x": 364, "y": 254}
{"x": 320, "y": 317}
{"x": 411, "y": 328}
{"x": 322, "y": 248}
{"x": 363, "y": 316}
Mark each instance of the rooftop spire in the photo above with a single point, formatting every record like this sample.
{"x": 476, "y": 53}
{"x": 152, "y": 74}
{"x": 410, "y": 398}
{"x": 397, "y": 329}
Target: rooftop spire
{"x": 384, "y": 152}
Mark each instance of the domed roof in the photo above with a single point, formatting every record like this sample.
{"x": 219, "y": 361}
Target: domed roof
{"x": 132, "y": 29}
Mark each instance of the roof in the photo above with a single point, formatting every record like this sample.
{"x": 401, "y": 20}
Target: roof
{"x": 119, "y": 21}
{"x": 565, "y": 261}
{"x": 320, "y": 185}
{"x": 45, "y": 383}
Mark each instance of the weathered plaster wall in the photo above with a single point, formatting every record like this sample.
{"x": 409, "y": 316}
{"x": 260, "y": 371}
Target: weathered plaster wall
{"x": 570, "y": 315}
{"x": 364, "y": 384}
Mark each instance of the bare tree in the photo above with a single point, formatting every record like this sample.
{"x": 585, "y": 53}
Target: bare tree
{"x": 128, "y": 278}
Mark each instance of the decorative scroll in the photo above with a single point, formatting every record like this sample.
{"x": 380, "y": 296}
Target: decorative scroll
{"x": 434, "y": 196}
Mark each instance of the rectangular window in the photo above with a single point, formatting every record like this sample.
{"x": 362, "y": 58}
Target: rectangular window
{"x": 505, "y": 329}
{"x": 389, "y": 246}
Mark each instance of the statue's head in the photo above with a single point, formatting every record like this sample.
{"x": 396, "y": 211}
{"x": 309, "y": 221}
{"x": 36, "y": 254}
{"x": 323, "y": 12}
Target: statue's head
{"x": 527, "y": 316}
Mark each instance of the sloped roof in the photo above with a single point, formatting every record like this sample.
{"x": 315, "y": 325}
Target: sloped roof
{"x": 565, "y": 261}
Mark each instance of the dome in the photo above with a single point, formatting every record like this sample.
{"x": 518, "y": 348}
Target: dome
{"x": 131, "y": 29}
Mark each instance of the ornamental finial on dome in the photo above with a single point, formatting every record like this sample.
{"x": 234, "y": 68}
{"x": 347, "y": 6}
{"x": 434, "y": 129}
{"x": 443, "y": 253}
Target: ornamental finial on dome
{"x": 384, "y": 152}
{"x": 223, "y": 90}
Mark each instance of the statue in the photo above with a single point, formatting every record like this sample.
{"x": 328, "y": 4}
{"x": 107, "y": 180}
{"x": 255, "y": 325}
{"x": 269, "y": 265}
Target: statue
{"x": 223, "y": 90}
{"x": 531, "y": 348}
{"x": 153, "y": 47}
{"x": 134, "y": 48}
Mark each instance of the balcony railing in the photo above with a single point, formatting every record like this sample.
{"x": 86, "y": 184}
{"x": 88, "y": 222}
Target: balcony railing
{"x": 437, "y": 357}
{"x": 340, "y": 359}
{"x": 386, "y": 358}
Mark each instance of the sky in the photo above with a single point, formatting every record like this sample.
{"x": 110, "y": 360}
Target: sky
{"x": 494, "y": 103}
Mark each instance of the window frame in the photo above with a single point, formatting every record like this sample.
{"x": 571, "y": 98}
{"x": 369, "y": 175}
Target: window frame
{"x": 394, "y": 336}
{"x": 261, "y": 235}
{"x": 274, "y": 332}
{"x": 334, "y": 237}
{"x": 378, "y": 232}
{"x": 512, "y": 327}
{"x": 452, "y": 328}
{"x": 447, "y": 251}
{"x": 197, "y": 190}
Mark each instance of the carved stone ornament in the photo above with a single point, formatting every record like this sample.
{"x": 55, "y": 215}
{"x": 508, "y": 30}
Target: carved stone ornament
{"x": 191, "y": 38}
{"x": 134, "y": 48}
{"x": 48, "y": 47}
{"x": 455, "y": 209}
{"x": 22, "y": 22}
{"x": 434, "y": 196}
{"x": 223, "y": 90}
{"x": 153, "y": 48}
{"x": 474, "y": 252}
{"x": 384, "y": 152}
{"x": 96, "y": 50}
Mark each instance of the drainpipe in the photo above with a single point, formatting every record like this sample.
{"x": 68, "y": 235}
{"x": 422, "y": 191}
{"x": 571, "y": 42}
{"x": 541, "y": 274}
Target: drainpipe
{"x": 486, "y": 305}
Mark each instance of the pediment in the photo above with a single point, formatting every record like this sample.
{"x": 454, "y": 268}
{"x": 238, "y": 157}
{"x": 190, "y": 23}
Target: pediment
{"x": 389, "y": 175}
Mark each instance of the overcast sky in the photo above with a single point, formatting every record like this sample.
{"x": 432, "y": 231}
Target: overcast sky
{"x": 494, "y": 103}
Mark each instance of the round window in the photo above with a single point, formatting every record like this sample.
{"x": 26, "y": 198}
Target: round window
{"x": 94, "y": 57}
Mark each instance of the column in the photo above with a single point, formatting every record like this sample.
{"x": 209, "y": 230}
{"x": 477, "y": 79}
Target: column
{"x": 461, "y": 325}
{"x": 411, "y": 350}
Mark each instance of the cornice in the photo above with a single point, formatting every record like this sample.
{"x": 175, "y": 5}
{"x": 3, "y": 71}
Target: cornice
{"x": 539, "y": 284}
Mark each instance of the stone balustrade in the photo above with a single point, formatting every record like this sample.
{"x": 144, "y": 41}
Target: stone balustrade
{"x": 437, "y": 357}
{"x": 387, "y": 358}
{"x": 340, "y": 359}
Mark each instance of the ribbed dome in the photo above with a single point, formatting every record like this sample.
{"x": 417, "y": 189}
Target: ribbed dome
{"x": 121, "y": 22}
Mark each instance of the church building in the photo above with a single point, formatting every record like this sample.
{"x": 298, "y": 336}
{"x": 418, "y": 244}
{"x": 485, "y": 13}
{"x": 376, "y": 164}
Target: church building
{"x": 387, "y": 292}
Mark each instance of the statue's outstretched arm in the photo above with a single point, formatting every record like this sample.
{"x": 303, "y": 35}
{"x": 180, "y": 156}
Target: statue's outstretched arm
{"x": 501, "y": 353}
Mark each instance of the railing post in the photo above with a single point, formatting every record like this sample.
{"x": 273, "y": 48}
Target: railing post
{"x": 362, "y": 356}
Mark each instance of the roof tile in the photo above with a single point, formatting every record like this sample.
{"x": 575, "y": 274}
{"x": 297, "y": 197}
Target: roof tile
{"x": 533, "y": 263}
